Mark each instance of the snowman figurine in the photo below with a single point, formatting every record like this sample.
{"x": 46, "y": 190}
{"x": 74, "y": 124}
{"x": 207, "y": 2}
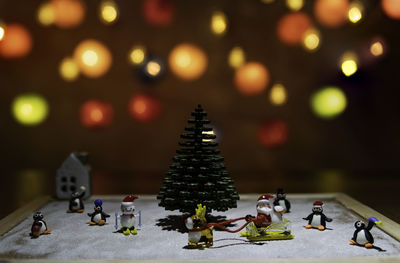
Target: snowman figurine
{"x": 127, "y": 218}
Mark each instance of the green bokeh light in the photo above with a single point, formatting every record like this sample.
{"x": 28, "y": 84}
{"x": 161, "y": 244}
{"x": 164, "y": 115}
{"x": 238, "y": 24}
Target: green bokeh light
{"x": 328, "y": 102}
{"x": 30, "y": 109}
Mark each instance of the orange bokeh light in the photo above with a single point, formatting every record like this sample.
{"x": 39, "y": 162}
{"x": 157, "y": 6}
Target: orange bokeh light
{"x": 273, "y": 133}
{"x": 291, "y": 27}
{"x": 144, "y": 107}
{"x": 93, "y": 58}
{"x": 252, "y": 78}
{"x": 187, "y": 61}
{"x": 68, "y": 13}
{"x": 16, "y": 43}
{"x": 391, "y": 8}
{"x": 96, "y": 114}
{"x": 331, "y": 13}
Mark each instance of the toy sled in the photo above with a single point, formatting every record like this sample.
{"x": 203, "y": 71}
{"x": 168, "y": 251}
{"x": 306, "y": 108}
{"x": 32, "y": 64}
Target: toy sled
{"x": 277, "y": 231}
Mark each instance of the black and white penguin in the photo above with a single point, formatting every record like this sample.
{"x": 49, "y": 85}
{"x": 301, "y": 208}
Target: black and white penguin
{"x": 76, "y": 203}
{"x": 98, "y": 217}
{"x": 39, "y": 226}
{"x": 317, "y": 219}
{"x": 281, "y": 200}
{"x": 361, "y": 235}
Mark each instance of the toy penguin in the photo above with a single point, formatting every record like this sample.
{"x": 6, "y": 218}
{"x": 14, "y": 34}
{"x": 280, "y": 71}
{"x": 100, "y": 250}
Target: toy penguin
{"x": 98, "y": 217}
{"x": 75, "y": 203}
{"x": 127, "y": 218}
{"x": 281, "y": 200}
{"x": 317, "y": 219}
{"x": 362, "y": 236}
{"x": 39, "y": 226}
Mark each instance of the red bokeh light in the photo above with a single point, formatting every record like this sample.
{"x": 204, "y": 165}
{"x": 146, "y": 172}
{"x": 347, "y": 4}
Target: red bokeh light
{"x": 158, "y": 12}
{"x": 144, "y": 107}
{"x": 291, "y": 27}
{"x": 96, "y": 114}
{"x": 273, "y": 133}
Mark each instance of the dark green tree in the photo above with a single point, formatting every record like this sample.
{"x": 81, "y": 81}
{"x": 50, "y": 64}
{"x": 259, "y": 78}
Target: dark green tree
{"x": 198, "y": 175}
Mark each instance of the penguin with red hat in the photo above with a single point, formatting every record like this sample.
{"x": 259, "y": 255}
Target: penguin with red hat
{"x": 127, "y": 218}
{"x": 267, "y": 213}
{"x": 317, "y": 219}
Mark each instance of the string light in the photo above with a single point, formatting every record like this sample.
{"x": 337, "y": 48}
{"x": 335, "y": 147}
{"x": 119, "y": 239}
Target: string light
{"x": 278, "y": 95}
{"x": 219, "y": 23}
{"x": 108, "y": 12}
{"x": 349, "y": 63}
{"x": 137, "y": 55}
{"x": 295, "y": 5}
{"x": 236, "y": 57}
{"x": 69, "y": 69}
{"x": 311, "y": 40}
{"x": 355, "y": 12}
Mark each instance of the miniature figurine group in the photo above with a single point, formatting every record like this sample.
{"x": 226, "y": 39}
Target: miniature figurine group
{"x": 98, "y": 217}
{"x": 269, "y": 224}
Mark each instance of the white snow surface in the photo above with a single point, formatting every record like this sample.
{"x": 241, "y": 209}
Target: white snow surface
{"x": 73, "y": 238}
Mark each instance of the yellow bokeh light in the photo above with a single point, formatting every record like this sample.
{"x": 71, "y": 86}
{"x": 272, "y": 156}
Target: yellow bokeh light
{"x": 295, "y": 5}
{"x": 69, "y": 69}
{"x": 109, "y": 12}
{"x": 376, "y": 49}
{"x": 137, "y": 55}
{"x": 90, "y": 58}
{"x": 219, "y": 23}
{"x": 1, "y": 32}
{"x": 311, "y": 40}
{"x": 277, "y": 95}
{"x": 355, "y": 12}
{"x": 153, "y": 68}
{"x": 349, "y": 63}
{"x": 236, "y": 57}
{"x": 45, "y": 14}
{"x": 30, "y": 109}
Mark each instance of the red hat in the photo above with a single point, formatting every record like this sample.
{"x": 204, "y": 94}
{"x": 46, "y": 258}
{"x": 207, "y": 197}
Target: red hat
{"x": 264, "y": 198}
{"x": 318, "y": 203}
{"x": 128, "y": 200}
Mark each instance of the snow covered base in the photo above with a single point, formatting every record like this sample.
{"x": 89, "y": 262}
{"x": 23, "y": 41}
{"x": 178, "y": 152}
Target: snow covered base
{"x": 160, "y": 236}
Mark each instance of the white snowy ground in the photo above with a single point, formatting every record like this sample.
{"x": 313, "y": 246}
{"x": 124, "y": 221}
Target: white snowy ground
{"x": 73, "y": 238}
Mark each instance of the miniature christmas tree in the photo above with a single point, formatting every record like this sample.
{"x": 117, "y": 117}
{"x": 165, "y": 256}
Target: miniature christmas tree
{"x": 198, "y": 175}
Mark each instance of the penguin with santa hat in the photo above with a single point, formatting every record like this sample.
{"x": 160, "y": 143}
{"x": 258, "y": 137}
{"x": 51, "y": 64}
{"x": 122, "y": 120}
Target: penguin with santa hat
{"x": 127, "y": 218}
{"x": 267, "y": 213}
{"x": 317, "y": 219}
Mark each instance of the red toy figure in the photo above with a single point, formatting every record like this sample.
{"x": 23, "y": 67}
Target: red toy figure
{"x": 267, "y": 213}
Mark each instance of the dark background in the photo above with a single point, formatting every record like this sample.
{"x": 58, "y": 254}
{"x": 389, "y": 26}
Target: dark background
{"x": 355, "y": 153}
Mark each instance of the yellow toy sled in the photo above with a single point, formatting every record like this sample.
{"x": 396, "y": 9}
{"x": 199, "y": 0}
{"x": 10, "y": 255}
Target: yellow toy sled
{"x": 277, "y": 231}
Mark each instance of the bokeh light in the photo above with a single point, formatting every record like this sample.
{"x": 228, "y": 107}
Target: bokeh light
{"x": 1, "y": 32}
{"x": 311, "y": 40}
{"x": 219, "y": 23}
{"x": 391, "y": 8}
{"x": 68, "y": 13}
{"x": 152, "y": 69}
{"x": 291, "y": 27}
{"x": 187, "y": 61}
{"x": 355, "y": 12}
{"x": 295, "y": 5}
{"x": 331, "y": 13}
{"x": 376, "y": 48}
{"x": 16, "y": 42}
{"x": 273, "y": 134}
{"x": 30, "y": 109}
{"x": 216, "y": 130}
{"x": 252, "y": 78}
{"x": 348, "y": 63}
{"x": 137, "y": 55}
{"x": 236, "y": 57}
{"x": 69, "y": 69}
{"x": 144, "y": 107}
{"x": 277, "y": 94}
{"x": 328, "y": 102}
{"x": 45, "y": 14}
{"x": 96, "y": 114}
{"x": 108, "y": 12}
{"x": 93, "y": 58}
{"x": 159, "y": 12}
